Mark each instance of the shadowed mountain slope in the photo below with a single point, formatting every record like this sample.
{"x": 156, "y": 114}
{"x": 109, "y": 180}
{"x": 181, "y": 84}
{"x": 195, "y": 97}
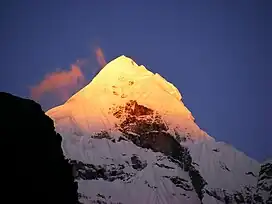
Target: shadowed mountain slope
{"x": 33, "y": 165}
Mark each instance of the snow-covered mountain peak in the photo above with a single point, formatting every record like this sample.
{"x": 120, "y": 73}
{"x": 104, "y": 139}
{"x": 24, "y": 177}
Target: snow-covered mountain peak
{"x": 122, "y": 66}
{"x": 124, "y": 72}
{"x": 120, "y": 83}
{"x": 132, "y": 140}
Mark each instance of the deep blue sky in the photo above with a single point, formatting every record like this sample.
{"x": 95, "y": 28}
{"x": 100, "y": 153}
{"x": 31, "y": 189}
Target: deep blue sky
{"x": 217, "y": 53}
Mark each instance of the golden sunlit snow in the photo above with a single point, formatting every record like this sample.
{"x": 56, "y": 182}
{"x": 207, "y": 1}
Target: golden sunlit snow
{"x": 120, "y": 81}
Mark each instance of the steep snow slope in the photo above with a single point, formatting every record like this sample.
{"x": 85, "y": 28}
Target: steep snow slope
{"x": 132, "y": 140}
{"x": 230, "y": 174}
{"x": 121, "y": 172}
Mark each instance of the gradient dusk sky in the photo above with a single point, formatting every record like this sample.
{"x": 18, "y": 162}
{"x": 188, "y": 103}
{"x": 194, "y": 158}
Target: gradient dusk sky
{"x": 217, "y": 53}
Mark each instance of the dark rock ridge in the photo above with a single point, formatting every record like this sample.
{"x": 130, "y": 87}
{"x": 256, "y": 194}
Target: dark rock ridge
{"x": 146, "y": 129}
{"x": 259, "y": 194}
{"x": 98, "y": 199}
{"x": 264, "y": 186}
{"x": 106, "y": 172}
{"x": 35, "y": 170}
{"x": 180, "y": 182}
{"x": 246, "y": 196}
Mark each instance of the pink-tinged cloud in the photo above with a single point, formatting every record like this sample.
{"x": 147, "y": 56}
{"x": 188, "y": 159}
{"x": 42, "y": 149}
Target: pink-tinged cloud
{"x": 61, "y": 83}
{"x": 100, "y": 57}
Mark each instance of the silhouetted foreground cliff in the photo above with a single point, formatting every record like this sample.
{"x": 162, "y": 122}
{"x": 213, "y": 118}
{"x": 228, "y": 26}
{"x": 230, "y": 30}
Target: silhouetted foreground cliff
{"x": 33, "y": 165}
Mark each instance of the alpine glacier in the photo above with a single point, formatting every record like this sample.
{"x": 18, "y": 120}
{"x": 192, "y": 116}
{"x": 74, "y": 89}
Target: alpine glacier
{"x": 132, "y": 140}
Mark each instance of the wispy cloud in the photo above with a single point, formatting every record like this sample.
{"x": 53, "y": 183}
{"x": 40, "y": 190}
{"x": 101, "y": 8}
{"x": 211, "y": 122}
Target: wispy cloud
{"x": 62, "y": 84}
{"x": 100, "y": 57}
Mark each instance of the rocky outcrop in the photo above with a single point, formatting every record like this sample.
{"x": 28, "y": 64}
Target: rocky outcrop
{"x": 264, "y": 185}
{"x": 146, "y": 129}
{"x": 35, "y": 170}
{"x": 259, "y": 194}
{"x": 108, "y": 173}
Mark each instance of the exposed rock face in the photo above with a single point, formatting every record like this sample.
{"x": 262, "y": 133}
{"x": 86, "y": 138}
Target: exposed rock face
{"x": 146, "y": 129}
{"x": 264, "y": 186}
{"x": 106, "y": 172}
{"x": 35, "y": 170}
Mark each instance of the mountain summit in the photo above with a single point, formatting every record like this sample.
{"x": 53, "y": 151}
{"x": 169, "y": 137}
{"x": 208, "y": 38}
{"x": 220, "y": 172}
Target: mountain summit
{"x": 132, "y": 140}
{"x": 120, "y": 82}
